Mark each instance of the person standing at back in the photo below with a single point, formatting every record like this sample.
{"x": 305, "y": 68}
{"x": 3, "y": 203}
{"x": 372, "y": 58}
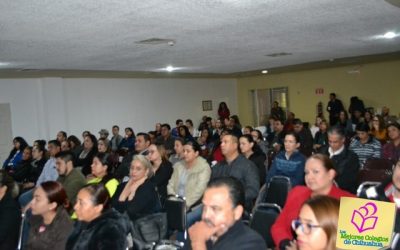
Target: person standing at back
{"x": 334, "y": 107}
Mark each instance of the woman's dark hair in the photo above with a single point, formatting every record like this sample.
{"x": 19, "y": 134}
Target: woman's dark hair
{"x": 189, "y": 121}
{"x": 99, "y": 195}
{"x": 222, "y": 105}
{"x": 74, "y": 140}
{"x": 181, "y": 140}
{"x": 259, "y": 134}
{"x": 250, "y": 139}
{"x": 295, "y": 135}
{"x": 381, "y": 122}
{"x": 130, "y": 129}
{"x": 6, "y": 180}
{"x": 363, "y": 127}
{"x": 41, "y": 148}
{"x": 237, "y": 121}
{"x": 94, "y": 141}
{"x": 56, "y": 193}
{"x": 346, "y": 115}
{"x": 195, "y": 146}
{"x": 185, "y": 129}
{"x": 40, "y": 142}
{"x": 106, "y": 160}
{"x": 22, "y": 146}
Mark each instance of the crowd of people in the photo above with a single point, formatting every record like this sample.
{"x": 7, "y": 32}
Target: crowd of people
{"x": 83, "y": 194}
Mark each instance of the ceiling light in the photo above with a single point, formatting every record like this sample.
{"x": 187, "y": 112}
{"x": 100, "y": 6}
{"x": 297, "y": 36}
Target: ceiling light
{"x": 390, "y": 35}
{"x": 4, "y": 64}
{"x": 264, "y": 71}
{"x": 170, "y": 68}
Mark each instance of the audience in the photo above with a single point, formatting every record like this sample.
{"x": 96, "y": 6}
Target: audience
{"x": 148, "y": 177}
{"x": 99, "y": 226}
{"x": 50, "y": 223}
{"x": 319, "y": 177}
{"x": 290, "y": 162}
{"x": 334, "y": 107}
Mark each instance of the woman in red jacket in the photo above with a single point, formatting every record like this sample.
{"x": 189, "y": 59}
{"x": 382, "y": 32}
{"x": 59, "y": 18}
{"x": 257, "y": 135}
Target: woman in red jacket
{"x": 319, "y": 177}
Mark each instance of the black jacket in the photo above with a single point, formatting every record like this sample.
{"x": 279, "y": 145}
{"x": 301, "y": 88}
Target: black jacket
{"x": 108, "y": 231}
{"x": 145, "y": 201}
{"x": 10, "y": 219}
{"x": 347, "y": 166}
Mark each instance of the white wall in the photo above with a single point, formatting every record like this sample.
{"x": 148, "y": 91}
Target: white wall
{"x": 40, "y": 107}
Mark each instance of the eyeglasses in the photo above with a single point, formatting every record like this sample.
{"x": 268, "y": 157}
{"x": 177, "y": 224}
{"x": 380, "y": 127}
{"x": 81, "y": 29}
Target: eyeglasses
{"x": 375, "y": 120}
{"x": 306, "y": 228}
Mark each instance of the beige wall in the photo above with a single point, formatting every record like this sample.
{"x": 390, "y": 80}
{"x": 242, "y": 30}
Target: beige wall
{"x": 377, "y": 84}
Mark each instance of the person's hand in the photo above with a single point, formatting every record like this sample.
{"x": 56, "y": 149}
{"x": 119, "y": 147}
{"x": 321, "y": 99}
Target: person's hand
{"x": 292, "y": 245}
{"x": 201, "y": 232}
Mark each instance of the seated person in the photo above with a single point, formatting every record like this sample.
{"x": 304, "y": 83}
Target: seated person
{"x": 190, "y": 176}
{"x": 50, "y": 223}
{"x": 15, "y": 155}
{"x": 316, "y": 225}
{"x": 138, "y": 196}
{"x": 365, "y": 145}
{"x": 321, "y": 137}
{"x": 250, "y": 149}
{"x": 378, "y": 129}
{"x": 178, "y": 156}
{"x": 102, "y": 173}
{"x": 85, "y": 158}
{"x": 289, "y": 163}
{"x": 389, "y": 190}
{"x": 162, "y": 169}
{"x": 345, "y": 160}
{"x": 99, "y": 226}
{"x": 305, "y": 137}
{"x": 221, "y": 226}
{"x": 391, "y": 150}
{"x": 10, "y": 213}
{"x": 319, "y": 177}
{"x": 22, "y": 171}
{"x": 38, "y": 162}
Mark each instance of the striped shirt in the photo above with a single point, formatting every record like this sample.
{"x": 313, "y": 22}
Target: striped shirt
{"x": 371, "y": 149}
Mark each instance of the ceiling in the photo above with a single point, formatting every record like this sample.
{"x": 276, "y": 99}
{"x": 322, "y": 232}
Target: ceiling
{"x": 208, "y": 36}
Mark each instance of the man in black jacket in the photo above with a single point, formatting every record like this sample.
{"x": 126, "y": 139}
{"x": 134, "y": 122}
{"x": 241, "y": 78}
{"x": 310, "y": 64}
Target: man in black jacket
{"x": 238, "y": 166}
{"x": 334, "y": 107}
{"x": 345, "y": 160}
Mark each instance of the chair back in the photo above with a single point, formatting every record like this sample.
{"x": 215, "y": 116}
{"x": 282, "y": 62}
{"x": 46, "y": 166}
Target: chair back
{"x": 263, "y": 218}
{"x": 364, "y": 186}
{"x": 278, "y": 190}
{"x": 175, "y": 206}
{"x": 375, "y": 170}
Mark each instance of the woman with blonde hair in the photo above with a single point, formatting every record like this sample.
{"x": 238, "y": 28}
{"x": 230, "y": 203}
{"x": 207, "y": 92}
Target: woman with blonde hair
{"x": 138, "y": 196}
{"x": 162, "y": 168}
{"x": 316, "y": 225}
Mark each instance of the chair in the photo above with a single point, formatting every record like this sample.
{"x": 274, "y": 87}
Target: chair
{"x": 376, "y": 170}
{"x": 263, "y": 218}
{"x": 364, "y": 186}
{"x": 175, "y": 206}
{"x": 278, "y": 190}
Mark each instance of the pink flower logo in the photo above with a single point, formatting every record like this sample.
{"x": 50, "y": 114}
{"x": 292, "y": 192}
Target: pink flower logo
{"x": 363, "y": 218}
